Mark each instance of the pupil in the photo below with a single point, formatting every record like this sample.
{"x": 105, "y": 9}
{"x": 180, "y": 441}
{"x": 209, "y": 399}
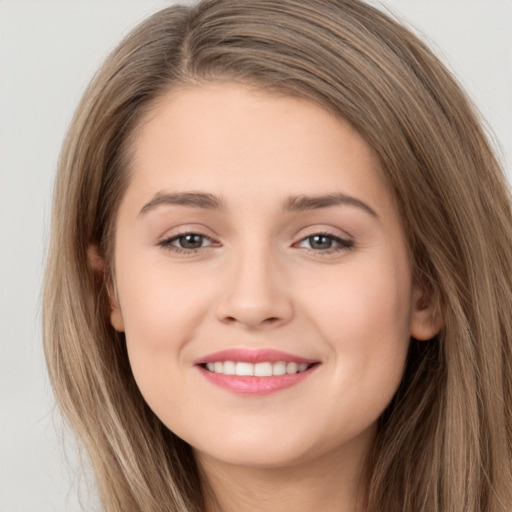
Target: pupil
{"x": 191, "y": 241}
{"x": 320, "y": 242}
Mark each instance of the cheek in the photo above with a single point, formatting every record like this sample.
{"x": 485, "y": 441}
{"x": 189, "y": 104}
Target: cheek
{"x": 362, "y": 297}
{"x": 161, "y": 312}
{"x": 365, "y": 320}
{"x": 160, "y": 303}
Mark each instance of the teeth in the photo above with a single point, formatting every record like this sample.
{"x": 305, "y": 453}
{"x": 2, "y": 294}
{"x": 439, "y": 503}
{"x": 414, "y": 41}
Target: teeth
{"x": 279, "y": 368}
{"x": 242, "y": 369}
{"x": 292, "y": 368}
{"x": 265, "y": 369}
{"x": 229, "y": 368}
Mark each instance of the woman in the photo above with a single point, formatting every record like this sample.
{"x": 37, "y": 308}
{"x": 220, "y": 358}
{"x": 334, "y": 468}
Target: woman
{"x": 279, "y": 275}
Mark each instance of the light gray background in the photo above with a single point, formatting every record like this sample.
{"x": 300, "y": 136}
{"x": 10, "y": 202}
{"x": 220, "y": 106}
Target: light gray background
{"x": 48, "y": 52}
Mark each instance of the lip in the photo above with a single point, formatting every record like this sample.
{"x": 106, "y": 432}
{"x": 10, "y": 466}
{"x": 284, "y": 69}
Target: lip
{"x": 254, "y": 386}
{"x": 252, "y": 356}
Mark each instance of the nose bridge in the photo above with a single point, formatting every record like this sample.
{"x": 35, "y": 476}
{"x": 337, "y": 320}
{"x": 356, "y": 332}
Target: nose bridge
{"x": 256, "y": 294}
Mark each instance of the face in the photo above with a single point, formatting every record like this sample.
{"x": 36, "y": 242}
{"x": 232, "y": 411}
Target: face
{"x": 262, "y": 277}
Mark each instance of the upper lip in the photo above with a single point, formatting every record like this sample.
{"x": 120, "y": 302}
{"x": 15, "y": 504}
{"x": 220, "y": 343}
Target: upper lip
{"x": 252, "y": 356}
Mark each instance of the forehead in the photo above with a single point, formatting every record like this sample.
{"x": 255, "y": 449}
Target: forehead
{"x": 226, "y": 137}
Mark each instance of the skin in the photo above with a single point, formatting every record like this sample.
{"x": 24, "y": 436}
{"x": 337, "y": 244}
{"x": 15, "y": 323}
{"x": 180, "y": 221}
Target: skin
{"x": 257, "y": 281}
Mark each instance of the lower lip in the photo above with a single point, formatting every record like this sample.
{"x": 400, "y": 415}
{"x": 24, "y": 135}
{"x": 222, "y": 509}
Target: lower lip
{"x": 255, "y": 385}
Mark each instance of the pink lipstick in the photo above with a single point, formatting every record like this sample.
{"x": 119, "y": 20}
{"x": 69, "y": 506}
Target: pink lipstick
{"x": 255, "y": 372}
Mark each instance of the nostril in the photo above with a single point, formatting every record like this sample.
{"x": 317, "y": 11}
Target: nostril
{"x": 253, "y": 322}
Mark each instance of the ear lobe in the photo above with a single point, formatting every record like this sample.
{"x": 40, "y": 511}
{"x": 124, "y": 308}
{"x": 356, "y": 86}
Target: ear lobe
{"x": 426, "y": 319}
{"x": 97, "y": 263}
{"x": 116, "y": 315}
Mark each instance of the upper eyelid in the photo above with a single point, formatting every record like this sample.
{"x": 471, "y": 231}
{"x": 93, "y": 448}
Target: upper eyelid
{"x": 343, "y": 237}
{"x": 176, "y": 232}
{"x": 325, "y": 232}
{"x": 183, "y": 227}
{"x": 315, "y": 230}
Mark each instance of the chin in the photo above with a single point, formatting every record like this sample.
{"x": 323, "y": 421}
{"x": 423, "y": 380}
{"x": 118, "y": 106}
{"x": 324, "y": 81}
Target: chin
{"x": 272, "y": 448}
{"x": 254, "y": 457}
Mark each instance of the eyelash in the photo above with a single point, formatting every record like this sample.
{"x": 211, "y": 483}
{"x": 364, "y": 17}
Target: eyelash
{"x": 168, "y": 243}
{"x": 342, "y": 244}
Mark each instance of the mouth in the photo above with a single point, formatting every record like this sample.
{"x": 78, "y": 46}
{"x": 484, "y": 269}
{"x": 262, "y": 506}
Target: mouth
{"x": 255, "y": 372}
{"x": 263, "y": 369}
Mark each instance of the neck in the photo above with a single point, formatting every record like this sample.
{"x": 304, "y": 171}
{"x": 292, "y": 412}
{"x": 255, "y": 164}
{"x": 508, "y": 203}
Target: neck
{"x": 322, "y": 484}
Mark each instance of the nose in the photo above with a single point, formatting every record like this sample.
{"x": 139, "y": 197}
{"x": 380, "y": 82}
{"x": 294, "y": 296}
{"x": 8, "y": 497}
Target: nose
{"x": 256, "y": 295}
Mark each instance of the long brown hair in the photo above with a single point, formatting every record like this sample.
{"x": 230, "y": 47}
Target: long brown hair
{"x": 445, "y": 441}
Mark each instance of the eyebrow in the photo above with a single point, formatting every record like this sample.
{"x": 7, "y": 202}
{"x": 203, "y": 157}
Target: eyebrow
{"x": 298, "y": 203}
{"x": 304, "y": 203}
{"x": 192, "y": 199}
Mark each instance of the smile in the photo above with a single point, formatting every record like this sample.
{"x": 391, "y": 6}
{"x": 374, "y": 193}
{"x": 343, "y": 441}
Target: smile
{"x": 264, "y": 369}
{"x": 255, "y": 372}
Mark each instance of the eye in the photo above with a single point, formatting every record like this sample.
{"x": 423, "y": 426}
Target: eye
{"x": 325, "y": 243}
{"x": 186, "y": 242}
